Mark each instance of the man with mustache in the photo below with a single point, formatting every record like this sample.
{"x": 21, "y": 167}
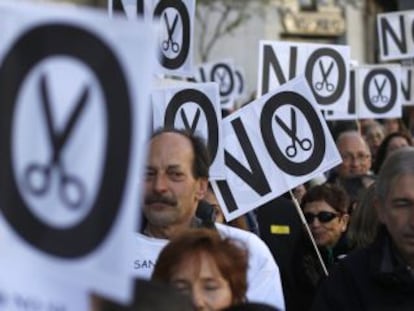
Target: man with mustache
{"x": 176, "y": 180}
{"x": 381, "y": 276}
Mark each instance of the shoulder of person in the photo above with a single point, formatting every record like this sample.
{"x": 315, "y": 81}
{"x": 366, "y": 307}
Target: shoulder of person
{"x": 253, "y": 243}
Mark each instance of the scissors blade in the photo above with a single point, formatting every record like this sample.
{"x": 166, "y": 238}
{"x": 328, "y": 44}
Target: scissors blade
{"x": 381, "y": 88}
{"x": 328, "y": 72}
{"x": 293, "y": 124}
{"x": 174, "y": 25}
{"x": 73, "y": 118}
{"x": 285, "y": 127}
{"x": 46, "y": 109}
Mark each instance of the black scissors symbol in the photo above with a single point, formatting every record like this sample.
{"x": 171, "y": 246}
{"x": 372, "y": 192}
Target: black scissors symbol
{"x": 305, "y": 144}
{"x": 194, "y": 123}
{"x": 379, "y": 97}
{"x": 325, "y": 75}
{"x": 38, "y": 176}
{"x": 175, "y": 47}
{"x": 222, "y": 79}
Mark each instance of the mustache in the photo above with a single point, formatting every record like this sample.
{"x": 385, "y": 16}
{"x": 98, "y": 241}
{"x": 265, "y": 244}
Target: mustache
{"x": 150, "y": 199}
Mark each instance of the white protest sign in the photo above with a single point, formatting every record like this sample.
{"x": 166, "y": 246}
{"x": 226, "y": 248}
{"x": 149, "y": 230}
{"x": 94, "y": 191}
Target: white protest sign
{"x": 177, "y": 24}
{"x": 24, "y": 287}
{"x": 350, "y": 113}
{"x": 395, "y": 33}
{"x": 273, "y": 144}
{"x": 240, "y": 89}
{"x": 326, "y": 67}
{"x": 74, "y": 93}
{"x": 221, "y": 72}
{"x": 194, "y": 107}
{"x": 378, "y": 91}
{"x": 407, "y": 85}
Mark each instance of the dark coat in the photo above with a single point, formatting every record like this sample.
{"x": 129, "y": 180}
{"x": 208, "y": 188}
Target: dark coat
{"x": 373, "y": 278}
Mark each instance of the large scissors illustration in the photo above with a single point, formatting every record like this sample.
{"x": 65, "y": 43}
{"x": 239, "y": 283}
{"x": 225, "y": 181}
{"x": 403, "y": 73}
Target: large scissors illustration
{"x": 175, "y": 47}
{"x": 305, "y": 144}
{"x": 38, "y": 176}
{"x": 379, "y": 97}
{"x": 325, "y": 75}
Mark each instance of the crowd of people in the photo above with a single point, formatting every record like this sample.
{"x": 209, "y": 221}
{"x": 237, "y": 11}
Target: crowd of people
{"x": 358, "y": 253}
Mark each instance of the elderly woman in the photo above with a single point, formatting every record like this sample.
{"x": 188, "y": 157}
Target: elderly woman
{"x": 210, "y": 269}
{"x": 325, "y": 208}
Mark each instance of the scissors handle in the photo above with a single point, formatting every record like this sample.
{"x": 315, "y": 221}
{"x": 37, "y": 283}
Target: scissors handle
{"x": 166, "y": 45}
{"x": 71, "y": 191}
{"x": 175, "y": 47}
{"x": 37, "y": 178}
{"x": 330, "y": 87}
{"x": 291, "y": 150}
{"x": 305, "y": 144}
{"x": 319, "y": 85}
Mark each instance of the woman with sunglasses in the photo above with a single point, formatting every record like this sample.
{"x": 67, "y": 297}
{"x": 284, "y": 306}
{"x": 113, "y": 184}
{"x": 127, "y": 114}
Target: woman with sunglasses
{"x": 325, "y": 208}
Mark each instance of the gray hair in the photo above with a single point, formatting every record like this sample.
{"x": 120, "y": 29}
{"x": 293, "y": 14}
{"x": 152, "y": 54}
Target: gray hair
{"x": 400, "y": 162}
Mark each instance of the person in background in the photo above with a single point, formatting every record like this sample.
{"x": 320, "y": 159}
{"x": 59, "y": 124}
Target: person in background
{"x": 364, "y": 223}
{"x": 176, "y": 182}
{"x": 356, "y": 156}
{"x": 374, "y": 135}
{"x": 239, "y": 222}
{"x": 326, "y": 210}
{"x": 390, "y": 143}
{"x": 201, "y": 264}
{"x": 394, "y": 125}
{"x": 353, "y": 174}
{"x": 380, "y": 276}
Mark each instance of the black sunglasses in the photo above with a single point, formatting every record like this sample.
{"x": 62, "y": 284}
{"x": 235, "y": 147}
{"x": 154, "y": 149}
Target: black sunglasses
{"x": 323, "y": 217}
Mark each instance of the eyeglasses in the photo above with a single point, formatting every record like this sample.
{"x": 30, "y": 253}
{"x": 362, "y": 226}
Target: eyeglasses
{"x": 360, "y": 157}
{"x": 323, "y": 217}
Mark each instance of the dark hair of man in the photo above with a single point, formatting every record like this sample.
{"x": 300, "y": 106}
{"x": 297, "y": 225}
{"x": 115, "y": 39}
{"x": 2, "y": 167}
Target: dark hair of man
{"x": 400, "y": 162}
{"x": 332, "y": 194}
{"x": 201, "y": 154}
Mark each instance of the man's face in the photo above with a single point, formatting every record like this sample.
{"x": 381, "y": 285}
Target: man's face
{"x": 397, "y": 213}
{"x": 172, "y": 192}
{"x": 355, "y": 155}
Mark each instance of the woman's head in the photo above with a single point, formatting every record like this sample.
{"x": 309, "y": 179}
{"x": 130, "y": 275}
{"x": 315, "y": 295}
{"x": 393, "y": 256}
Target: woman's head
{"x": 326, "y": 211}
{"x": 392, "y": 142}
{"x": 201, "y": 263}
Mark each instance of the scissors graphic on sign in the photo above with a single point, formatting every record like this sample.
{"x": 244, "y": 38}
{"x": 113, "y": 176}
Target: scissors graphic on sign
{"x": 194, "y": 123}
{"x": 379, "y": 97}
{"x": 305, "y": 144}
{"x": 38, "y": 176}
{"x": 325, "y": 75}
{"x": 175, "y": 47}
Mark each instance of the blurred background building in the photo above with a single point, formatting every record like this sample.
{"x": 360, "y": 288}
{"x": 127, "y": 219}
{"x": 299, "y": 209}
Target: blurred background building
{"x": 232, "y": 28}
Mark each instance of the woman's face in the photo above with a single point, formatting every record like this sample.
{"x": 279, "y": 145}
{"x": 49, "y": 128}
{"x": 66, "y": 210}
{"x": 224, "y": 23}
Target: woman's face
{"x": 396, "y": 143}
{"x": 329, "y": 226}
{"x": 199, "y": 277}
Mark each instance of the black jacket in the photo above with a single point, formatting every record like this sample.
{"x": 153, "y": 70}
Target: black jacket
{"x": 374, "y": 278}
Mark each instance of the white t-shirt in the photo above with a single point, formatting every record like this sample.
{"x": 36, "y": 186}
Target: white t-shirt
{"x": 263, "y": 277}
